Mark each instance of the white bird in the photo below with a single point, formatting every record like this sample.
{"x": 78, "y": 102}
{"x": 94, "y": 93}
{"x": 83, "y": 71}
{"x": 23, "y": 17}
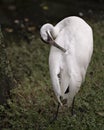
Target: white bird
{"x": 70, "y": 54}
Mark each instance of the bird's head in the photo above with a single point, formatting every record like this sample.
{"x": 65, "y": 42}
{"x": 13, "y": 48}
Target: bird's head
{"x": 47, "y": 32}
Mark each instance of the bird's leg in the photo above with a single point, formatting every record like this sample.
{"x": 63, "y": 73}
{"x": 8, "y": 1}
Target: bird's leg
{"x": 56, "y": 114}
{"x": 72, "y": 108}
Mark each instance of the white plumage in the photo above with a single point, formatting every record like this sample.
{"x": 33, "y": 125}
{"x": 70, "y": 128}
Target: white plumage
{"x": 68, "y": 70}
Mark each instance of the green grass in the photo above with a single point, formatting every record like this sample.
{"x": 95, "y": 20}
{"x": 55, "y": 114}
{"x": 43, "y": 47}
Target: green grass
{"x": 33, "y": 103}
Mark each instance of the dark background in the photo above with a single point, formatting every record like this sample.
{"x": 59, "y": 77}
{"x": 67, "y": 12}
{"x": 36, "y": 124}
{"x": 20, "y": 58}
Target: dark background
{"x": 41, "y": 11}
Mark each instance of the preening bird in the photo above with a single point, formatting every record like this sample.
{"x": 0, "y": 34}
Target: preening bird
{"x": 71, "y": 49}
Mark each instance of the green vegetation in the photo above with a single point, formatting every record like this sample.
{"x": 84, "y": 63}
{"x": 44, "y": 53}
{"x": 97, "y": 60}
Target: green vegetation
{"x": 32, "y": 102}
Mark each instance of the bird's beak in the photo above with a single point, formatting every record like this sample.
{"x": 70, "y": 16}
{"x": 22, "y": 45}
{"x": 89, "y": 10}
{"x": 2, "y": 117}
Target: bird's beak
{"x": 52, "y": 42}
